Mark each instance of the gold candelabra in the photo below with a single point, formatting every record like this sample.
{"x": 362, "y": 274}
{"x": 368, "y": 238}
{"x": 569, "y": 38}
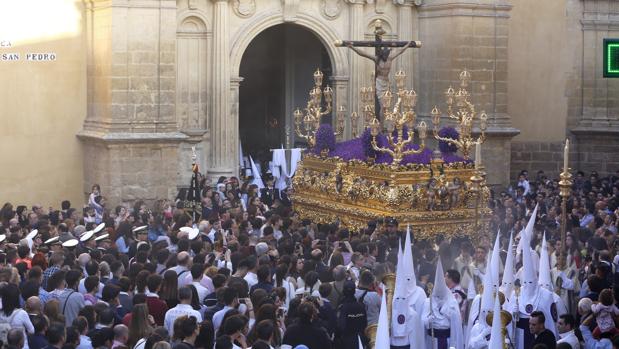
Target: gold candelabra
{"x": 402, "y": 114}
{"x": 565, "y": 190}
{"x": 306, "y": 124}
{"x": 464, "y": 113}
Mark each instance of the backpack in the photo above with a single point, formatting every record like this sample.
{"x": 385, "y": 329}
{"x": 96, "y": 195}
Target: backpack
{"x": 5, "y": 327}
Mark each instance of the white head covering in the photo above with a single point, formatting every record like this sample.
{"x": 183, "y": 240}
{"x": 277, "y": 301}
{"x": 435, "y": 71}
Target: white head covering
{"x": 486, "y": 296}
{"x": 496, "y": 337}
{"x": 440, "y": 293}
{"x": 544, "y": 267}
{"x": 405, "y": 284}
{"x": 471, "y": 292}
{"x": 382, "y": 333}
{"x": 507, "y": 286}
{"x": 257, "y": 176}
{"x": 529, "y": 278}
{"x": 495, "y": 263}
{"x": 98, "y": 228}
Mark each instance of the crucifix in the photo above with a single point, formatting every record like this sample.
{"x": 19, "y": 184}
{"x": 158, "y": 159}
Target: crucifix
{"x": 383, "y": 57}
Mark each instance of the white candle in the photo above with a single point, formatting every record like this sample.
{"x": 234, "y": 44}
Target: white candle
{"x": 566, "y": 151}
{"x": 477, "y": 155}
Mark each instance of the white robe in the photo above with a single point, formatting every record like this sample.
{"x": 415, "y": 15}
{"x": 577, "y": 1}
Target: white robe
{"x": 446, "y": 316}
{"x": 478, "y": 338}
{"x": 542, "y": 302}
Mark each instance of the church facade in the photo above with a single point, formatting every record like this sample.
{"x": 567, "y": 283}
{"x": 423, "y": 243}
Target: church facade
{"x": 158, "y": 77}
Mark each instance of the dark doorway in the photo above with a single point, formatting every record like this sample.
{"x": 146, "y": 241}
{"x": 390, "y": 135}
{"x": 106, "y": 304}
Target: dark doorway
{"x": 277, "y": 69}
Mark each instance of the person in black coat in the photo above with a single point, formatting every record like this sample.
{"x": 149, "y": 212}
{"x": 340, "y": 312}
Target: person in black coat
{"x": 351, "y": 319}
{"x": 541, "y": 333}
{"x": 306, "y": 329}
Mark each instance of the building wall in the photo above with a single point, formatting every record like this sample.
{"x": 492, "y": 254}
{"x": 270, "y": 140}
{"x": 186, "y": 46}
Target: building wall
{"x": 42, "y": 103}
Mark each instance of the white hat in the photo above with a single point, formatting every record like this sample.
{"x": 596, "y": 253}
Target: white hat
{"x": 405, "y": 284}
{"x": 52, "y": 241}
{"x": 507, "y": 286}
{"x": 32, "y": 234}
{"x": 193, "y": 234}
{"x": 98, "y": 228}
{"x": 544, "y": 267}
{"x": 186, "y": 229}
{"x": 2, "y": 237}
{"x": 496, "y": 337}
{"x": 382, "y": 332}
{"x": 528, "y": 280}
{"x": 440, "y": 293}
{"x": 87, "y": 236}
{"x": 139, "y": 229}
{"x": 102, "y": 237}
{"x": 70, "y": 243}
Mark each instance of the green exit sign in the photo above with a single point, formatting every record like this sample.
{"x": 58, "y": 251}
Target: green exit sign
{"x": 611, "y": 58}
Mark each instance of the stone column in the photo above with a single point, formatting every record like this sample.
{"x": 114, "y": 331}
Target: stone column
{"x": 222, "y": 140}
{"x": 130, "y": 137}
{"x": 406, "y": 31}
{"x": 459, "y": 36}
{"x": 356, "y": 31}
{"x": 235, "y": 83}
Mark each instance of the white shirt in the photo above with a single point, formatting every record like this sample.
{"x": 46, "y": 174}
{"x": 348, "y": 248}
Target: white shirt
{"x": 19, "y": 319}
{"x": 219, "y": 316}
{"x": 182, "y": 277}
{"x": 569, "y": 338}
{"x": 82, "y": 289}
{"x": 251, "y": 279}
{"x": 202, "y": 291}
{"x": 179, "y": 310}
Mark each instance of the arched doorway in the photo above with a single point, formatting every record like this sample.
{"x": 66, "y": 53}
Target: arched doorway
{"x": 277, "y": 69}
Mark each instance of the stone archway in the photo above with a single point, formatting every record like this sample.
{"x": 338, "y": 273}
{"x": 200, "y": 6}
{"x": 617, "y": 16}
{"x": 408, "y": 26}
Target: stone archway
{"x": 277, "y": 69}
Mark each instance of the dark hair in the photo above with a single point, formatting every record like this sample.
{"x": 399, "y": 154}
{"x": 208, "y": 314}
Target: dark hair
{"x": 72, "y": 335}
{"x": 109, "y": 292}
{"x": 229, "y": 295}
{"x": 539, "y": 315}
{"x": 153, "y": 282}
{"x": 197, "y": 270}
{"x": 91, "y": 282}
{"x": 10, "y": 298}
{"x": 72, "y": 277}
{"x": 223, "y": 342}
{"x": 263, "y": 273}
{"x": 81, "y": 323}
{"x": 568, "y": 319}
{"x": 264, "y": 330}
{"x": 234, "y": 324}
{"x": 184, "y": 293}
{"x": 140, "y": 280}
{"x": 92, "y": 268}
{"x": 454, "y": 275}
{"x": 39, "y": 322}
{"x": 55, "y": 333}
{"x": 29, "y": 288}
{"x": 606, "y": 297}
{"x": 218, "y": 280}
{"x": 187, "y": 326}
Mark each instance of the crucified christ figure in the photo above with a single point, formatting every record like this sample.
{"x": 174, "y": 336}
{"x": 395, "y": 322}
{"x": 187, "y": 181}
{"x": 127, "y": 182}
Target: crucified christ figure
{"x": 382, "y": 61}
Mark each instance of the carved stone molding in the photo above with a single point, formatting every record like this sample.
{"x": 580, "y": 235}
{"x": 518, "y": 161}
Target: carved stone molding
{"x": 331, "y": 9}
{"x": 290, "y": 10}
{"x": 244, "y": 8}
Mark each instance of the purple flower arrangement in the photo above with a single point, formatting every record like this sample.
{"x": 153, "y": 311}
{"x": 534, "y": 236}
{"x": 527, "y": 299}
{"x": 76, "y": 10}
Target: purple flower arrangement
{"x": 325, "y": 139}
{"x": 446, "y": 147}
{"x": 360, "y": 148}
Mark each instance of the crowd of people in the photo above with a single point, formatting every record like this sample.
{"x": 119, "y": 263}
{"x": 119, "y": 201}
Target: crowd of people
{"x": 247, "y": 271}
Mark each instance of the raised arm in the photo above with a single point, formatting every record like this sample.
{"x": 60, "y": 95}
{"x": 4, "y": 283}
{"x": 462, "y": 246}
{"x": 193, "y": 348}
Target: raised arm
{"x": 361, "y": 53}
{"x": 400, "y": 51}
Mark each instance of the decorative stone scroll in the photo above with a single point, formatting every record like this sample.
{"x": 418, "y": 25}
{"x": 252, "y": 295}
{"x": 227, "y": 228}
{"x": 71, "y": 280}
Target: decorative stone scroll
{"x": 331, "y": 9}
{"x": 244, "y": 8}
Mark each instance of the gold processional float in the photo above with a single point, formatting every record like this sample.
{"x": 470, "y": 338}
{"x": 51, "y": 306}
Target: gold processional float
{"x": 383, "y": 173}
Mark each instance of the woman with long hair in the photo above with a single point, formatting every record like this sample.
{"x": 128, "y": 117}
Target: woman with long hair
{"x": 140, "y": 326}
{"x": 11, "y": 313}
{"x": 281, "y": 280}
{"x": 268, "y": 312}
{"x": 124, "y": 237}
{"x": 169, "y": 288}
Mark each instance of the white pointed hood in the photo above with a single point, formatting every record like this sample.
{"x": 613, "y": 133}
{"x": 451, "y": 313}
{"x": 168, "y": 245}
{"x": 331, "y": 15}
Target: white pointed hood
{"x": 440, "y": 293}
{"x": 495, "y": 262}
{"x": 545, "y": 280}
{"x": 382, "y": 332}
{"x": 507, "y": 286}
{"x": 405, "y": 285}
{"x": 487, "y": 296}
{"x": 257, "y": 175}
{"x": 496, "y": 337}
{"x": 471, "y": 291}
{"x": 528, "y": 279}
